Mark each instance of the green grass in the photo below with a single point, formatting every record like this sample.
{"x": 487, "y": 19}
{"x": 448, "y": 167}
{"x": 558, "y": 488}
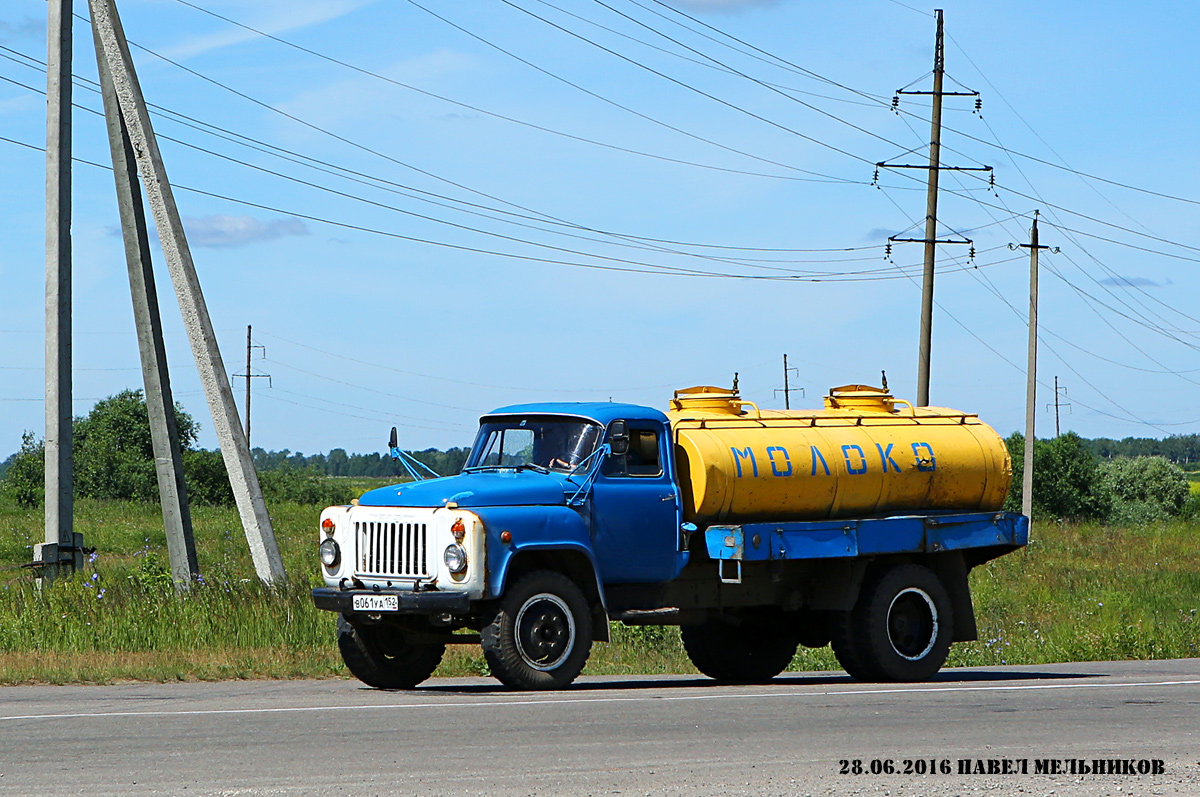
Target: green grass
{"x": 1079, "y": 592}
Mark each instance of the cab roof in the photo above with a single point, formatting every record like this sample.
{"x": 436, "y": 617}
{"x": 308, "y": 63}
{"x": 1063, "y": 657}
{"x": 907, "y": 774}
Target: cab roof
{"x": 603, "y": 412}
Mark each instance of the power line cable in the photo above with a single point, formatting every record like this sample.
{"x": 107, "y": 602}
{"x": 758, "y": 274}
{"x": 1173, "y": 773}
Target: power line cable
{"x": 1129, "y": 415}
{"x": 400, "y": 188}
{"x": 684, "y": 85}
{"x": 503, "y": 117}
{"x": 959, "y": 132}
{"x": 863, "y": 276}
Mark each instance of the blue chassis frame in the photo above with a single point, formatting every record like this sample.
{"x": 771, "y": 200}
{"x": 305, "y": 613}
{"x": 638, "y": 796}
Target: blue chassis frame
{"x": 836, "y": 539}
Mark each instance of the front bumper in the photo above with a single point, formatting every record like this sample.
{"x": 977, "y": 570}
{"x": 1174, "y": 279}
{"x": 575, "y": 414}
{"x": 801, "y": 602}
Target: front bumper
{"x": 342, "y": 600}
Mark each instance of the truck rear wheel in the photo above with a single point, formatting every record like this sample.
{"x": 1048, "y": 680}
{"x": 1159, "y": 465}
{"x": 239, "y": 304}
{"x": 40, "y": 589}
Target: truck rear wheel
{"x": 899, "y": 630}
{"x": 540, "y": 634}
{"x": 742, "y": 653}
{"x": 383, "y": 659}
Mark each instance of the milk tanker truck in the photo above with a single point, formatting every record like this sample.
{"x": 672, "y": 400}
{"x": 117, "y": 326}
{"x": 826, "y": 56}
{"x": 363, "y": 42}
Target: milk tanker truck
{"x": 756, "y": 531}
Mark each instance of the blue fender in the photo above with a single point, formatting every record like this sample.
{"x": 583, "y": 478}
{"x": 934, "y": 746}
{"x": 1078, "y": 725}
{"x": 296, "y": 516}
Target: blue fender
{"x": 534, "y": 529}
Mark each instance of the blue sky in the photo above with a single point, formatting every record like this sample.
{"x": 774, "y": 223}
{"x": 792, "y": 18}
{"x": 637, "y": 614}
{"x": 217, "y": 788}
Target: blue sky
{"x": 755, "y": 169}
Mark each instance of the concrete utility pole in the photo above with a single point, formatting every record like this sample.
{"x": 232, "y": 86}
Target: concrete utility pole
{"x": 931, "y": 198}
{"x": 1031, "y": 370}
{"x": 61, "y": 553}
{"x": 931, "y": 204}
{"x": 164, "y": 432}
{"x": 242, "y": 476}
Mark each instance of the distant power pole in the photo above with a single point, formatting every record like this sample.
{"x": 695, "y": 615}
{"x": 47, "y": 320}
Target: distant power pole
{"x": 250, "y": 346}
{"x": 1058, "y": 405}
{"x": 61, "y": 553}
{"x": 1057, "y": 424}
{"x": 931, "y": 199}
{"x": 787, "y": 388}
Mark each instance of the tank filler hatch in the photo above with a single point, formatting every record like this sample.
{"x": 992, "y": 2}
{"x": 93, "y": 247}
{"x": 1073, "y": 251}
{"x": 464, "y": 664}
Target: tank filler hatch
{"x": 860, "y": 398}
{"x": 707, "y": 399}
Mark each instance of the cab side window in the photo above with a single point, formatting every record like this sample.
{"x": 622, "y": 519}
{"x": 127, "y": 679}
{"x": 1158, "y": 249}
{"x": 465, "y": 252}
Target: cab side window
{"x": 642, "y": 459}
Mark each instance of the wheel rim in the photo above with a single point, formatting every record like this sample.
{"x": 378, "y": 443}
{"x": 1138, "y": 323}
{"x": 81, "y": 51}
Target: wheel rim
{"x": 912, "y": 624}
{"x": 545, "y": 631}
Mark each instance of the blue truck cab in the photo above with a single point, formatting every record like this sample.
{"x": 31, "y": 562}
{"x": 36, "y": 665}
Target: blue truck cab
{"x": 569, "y": 515}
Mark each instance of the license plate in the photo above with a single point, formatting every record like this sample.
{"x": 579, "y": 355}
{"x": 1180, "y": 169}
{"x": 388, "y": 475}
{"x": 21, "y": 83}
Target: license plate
{"x": 376, "y": 603}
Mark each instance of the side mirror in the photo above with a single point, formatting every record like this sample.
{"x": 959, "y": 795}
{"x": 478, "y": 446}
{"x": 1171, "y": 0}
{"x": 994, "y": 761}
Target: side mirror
{"x": 618, "y": 437}
{"x": 392, "y": 441}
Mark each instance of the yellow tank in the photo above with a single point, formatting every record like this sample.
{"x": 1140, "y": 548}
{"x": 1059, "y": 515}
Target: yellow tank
{"x": 865, "y": 454}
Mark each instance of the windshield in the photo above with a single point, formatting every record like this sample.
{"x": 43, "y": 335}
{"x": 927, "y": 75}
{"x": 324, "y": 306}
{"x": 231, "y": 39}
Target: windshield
{"x": 555, "y": 443}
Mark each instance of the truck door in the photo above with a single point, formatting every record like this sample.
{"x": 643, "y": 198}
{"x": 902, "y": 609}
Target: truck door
{"x": 635, "y": 511}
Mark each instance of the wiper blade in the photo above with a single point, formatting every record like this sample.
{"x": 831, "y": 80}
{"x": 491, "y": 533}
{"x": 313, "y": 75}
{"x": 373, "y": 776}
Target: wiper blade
{"x": 533, "y": 466}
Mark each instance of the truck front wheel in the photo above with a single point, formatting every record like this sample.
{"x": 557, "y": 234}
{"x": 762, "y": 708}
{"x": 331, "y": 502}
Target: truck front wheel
{"x": 745, "y": 652}
{"x": 383, "y": 658}
{"x": 540, "y": 633}
{"x": 899, "y": 630}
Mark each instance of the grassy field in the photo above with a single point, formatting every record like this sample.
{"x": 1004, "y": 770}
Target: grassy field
{"x": 1080, "y": 592}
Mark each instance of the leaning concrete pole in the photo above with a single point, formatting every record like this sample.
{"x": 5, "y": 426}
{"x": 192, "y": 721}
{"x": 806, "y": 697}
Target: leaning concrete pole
{"x": 60, "y": 551}
{"x": 242, "y": 476}
{"x": 164, "y": 431}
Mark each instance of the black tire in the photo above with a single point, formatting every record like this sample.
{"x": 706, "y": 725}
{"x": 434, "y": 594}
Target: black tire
{"x": 748, "y": 652}
{"x": 384, "y": 659}
{"x": 844, "y": 639}
{"x": 540, "y": 634}
{"x": 900, "y": 629}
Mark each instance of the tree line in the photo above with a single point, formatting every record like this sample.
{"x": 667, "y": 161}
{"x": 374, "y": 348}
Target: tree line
{"x": 1182, "y": 449}
{"x": 339, "y": 463}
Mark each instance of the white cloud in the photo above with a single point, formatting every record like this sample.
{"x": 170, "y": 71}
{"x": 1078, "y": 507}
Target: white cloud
{"x": 361, "y": 97}
{"x": 275, "y": 17}
{"x": 223, "y": 231}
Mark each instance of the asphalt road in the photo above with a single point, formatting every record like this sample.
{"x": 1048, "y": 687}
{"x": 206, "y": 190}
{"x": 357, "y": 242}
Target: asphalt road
{"x": 608, "y": 736}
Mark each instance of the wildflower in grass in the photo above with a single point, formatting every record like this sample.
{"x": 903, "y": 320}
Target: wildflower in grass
{"x": 92, "y": 558}
{"x": 100, "y": 594}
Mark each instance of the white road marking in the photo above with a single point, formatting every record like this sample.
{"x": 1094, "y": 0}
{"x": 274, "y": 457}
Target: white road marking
{"x": 562, "y": 700}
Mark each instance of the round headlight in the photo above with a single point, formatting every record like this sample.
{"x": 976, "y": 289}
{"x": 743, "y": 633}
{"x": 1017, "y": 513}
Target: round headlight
{"x": 331, "y": 554}
{"x": 455, "y": 558}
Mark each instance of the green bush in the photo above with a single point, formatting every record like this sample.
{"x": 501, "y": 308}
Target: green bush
{"x": 1191, "y": 507}
{"x": 25, "y": 480}
{"x": 206, "y": 477}
{"x": 1144, "y": 489}
{"x": 1067, "y": 480}
{"x": 303, "y": 487}
{"x": 114, "y": 453}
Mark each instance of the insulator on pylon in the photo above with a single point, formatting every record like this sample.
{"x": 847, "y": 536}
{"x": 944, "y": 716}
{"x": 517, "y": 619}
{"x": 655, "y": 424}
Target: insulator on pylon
{"x": 875, "y": 179}
{"x": 887, "y": 252}
{"x": 978, "y": 105}
{"x": 971, "y": 254}
{"x": 895, "y": 102}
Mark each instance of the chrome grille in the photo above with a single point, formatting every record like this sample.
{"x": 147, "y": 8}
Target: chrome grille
{"x": 392, "y": 550}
